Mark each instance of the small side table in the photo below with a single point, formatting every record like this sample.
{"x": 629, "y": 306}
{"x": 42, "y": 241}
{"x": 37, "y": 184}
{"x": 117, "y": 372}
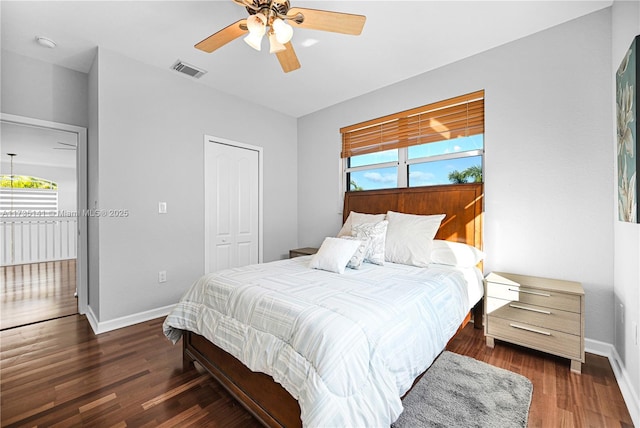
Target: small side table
{"x": 539, "y": 313}
{"x": 306, "y": 251}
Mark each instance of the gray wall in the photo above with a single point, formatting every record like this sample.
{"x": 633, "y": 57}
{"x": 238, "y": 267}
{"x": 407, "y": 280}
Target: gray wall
{"x": 39, "y": 90}
{"x": 146, "y": 130}
{"x": 549, "y": 169}
{"x": 625, "y": 25}
{"x": 150, "y": 142}
{"x": 93, "y": 189}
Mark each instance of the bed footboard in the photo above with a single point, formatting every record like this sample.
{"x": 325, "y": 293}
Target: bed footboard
{"x": 265, "y": 399}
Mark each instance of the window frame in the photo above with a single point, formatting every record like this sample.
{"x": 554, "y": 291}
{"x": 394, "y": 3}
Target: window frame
{"x": 400, "y": 131}
{"x": 403, "y": 164}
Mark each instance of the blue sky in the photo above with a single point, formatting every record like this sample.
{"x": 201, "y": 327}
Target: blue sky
{"x": 422, "y": 174}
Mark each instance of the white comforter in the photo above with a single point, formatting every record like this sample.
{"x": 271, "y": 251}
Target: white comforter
{"x": 347, "y": 347}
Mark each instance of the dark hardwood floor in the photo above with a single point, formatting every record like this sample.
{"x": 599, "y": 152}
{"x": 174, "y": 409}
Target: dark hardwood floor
{"x": 58, "y": 373}
{"x": 560, "y": 398}
{"x": 37, "y": 292}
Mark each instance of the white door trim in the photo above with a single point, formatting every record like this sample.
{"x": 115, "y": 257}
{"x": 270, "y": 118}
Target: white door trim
{"x": 81, "y": 183}
{"x": 208, "y": 139}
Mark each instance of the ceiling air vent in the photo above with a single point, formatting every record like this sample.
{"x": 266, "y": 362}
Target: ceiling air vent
{"x": 187, "y": 69}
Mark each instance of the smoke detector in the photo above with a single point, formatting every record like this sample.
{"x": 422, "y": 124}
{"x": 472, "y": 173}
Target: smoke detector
{"x": 46, "y": 42}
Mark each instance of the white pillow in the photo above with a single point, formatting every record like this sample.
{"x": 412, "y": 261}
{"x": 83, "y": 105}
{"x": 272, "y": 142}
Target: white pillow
{"x": 409, "y": 237}
{"x": 358, "y": 257}
{"x": 358, "y": 218}
{"x": 334, "y": 254}
{"x": 455, "y": 254}
{"x": 377, "y": 233}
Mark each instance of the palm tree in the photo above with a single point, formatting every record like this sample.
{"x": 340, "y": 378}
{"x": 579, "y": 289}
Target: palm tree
{"x": 475, "y": 172}
{"x": 354, "y": 186}
{"x": 460, "y": 177}
{"x": 457, "y": 177}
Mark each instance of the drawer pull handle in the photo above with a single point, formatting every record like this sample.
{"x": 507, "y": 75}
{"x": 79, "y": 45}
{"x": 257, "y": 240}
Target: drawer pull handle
{"x": 540, "y": 311}
{"x": 530, "y": 292}
{"x": 533, "y": 330}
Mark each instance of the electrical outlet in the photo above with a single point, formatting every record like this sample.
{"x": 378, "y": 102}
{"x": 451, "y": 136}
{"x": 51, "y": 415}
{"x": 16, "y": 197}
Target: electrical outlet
{"x": 162, "y": 207}
{"x": 162, "y": 276}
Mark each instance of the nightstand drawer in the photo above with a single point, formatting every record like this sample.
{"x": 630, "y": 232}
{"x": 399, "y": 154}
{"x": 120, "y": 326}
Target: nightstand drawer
{"x": 544, "y": 298}
{"x": 546, "y": 317}
{"x": 547, "y": 340}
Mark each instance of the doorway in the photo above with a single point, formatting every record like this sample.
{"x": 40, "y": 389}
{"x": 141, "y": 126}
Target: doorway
{"x": 43, "y": 229}
{"x": 233, "y": 204}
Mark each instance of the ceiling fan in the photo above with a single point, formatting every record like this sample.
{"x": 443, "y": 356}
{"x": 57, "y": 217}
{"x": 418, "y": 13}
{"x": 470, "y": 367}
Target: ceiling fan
{"x": 276, "y": 19}
{"x": 67, "y": 146}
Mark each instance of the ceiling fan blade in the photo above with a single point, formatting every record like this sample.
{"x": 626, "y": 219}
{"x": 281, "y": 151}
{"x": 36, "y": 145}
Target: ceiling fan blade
{"x": 224, "y": 36}
{"x": 324, "y": 20}
{"x": 288, "y": 58}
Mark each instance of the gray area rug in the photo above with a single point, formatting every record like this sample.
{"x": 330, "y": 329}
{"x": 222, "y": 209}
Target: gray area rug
{"x": 459, "y": 391}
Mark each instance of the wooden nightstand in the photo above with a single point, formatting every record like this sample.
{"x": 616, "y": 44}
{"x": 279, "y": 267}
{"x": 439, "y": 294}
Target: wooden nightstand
{"x": 306, "y": 251}
{"x": 539, "y": 313}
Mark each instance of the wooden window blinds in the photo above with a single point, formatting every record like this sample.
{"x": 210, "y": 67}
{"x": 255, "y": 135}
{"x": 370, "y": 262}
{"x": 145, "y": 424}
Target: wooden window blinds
{"x": 456, "y": 117}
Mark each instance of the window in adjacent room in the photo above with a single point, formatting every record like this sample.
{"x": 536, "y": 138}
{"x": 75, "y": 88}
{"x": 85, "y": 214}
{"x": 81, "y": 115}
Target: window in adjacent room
{"x": 440, "y": 143}
{"x": 22, "y": 195}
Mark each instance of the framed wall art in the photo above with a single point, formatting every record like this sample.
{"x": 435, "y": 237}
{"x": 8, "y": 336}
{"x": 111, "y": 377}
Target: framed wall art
{"x": 627, "y": 127}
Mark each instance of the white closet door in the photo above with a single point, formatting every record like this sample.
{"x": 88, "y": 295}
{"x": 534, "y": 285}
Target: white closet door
{"x": 232, "y": 201}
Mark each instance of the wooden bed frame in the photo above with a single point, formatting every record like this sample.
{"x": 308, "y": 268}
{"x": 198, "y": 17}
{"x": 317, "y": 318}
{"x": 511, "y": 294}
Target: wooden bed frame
{"x": 267, "y": 400}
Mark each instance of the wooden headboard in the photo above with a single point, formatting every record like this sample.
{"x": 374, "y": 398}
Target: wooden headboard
{"x": 462, "y": 204}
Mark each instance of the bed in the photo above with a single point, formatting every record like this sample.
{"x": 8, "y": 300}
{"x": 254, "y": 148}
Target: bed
{"x": 334, "y": 388}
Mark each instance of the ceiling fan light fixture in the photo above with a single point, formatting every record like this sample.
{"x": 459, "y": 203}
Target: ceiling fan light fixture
{"x": 283, "y": 31}
{"x": 274, "y": 44}
{"x": 256, "y": 24}
{"x": 254, "y": 40}
{"x": 274, "y": 18}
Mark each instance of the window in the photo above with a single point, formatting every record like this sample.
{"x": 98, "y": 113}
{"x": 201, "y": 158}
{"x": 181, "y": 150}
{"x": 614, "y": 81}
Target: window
{"x": 22, "y": 195}
{"x": 440, "y": 143}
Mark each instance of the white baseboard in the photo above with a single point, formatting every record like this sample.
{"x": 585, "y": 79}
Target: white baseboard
{"x": 622, "y": 377}
{"x": 91, "y": 317}
{"x": 105, "y": 326}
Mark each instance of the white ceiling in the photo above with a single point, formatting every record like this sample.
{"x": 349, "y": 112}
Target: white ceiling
{"x": 400, "y": 39}
{"x": 34, "y": 145}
